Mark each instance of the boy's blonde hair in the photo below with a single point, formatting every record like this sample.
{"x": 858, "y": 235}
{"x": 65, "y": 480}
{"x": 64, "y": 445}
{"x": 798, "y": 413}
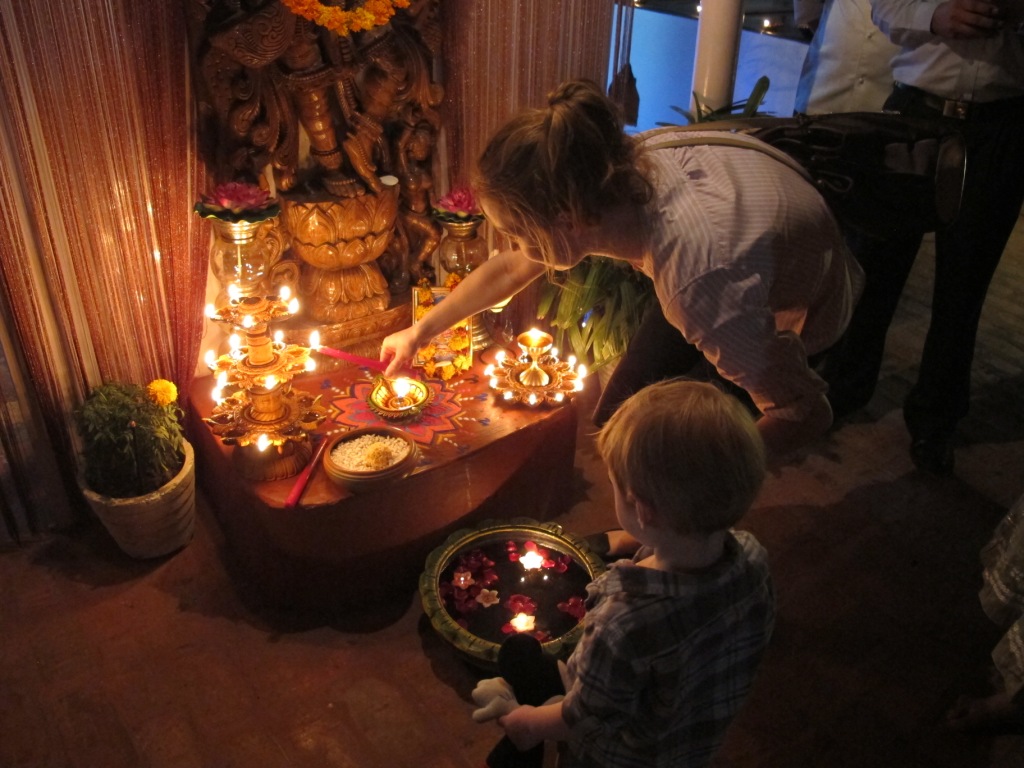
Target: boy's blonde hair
{"x": 571, "y": 159}
{"x": 689, "y": 451}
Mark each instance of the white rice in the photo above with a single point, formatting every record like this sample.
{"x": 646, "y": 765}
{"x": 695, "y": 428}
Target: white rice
{"x": 350, "y": 455}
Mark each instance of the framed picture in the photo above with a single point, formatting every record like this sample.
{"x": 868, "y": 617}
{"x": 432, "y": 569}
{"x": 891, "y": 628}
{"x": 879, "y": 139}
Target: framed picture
{"x": 451, "y": 351}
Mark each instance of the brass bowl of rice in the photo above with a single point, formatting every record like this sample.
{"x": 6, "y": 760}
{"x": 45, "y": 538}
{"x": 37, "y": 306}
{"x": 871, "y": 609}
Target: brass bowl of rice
{"x": 370, "y": 457}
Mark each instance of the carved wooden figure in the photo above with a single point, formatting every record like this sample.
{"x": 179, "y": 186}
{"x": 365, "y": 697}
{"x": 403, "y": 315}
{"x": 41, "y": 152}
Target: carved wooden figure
{"x": 332, "y": 117}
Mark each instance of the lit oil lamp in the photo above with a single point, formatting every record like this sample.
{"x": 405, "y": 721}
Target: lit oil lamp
{"x": 537, "y": 376}
{"x": 534, "y": 344}
{"x": 400, "y": 398}
{"x": 261, "y": 410}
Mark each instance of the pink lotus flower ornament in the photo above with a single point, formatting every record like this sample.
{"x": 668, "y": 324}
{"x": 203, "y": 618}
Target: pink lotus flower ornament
{"x": 458, "y": 205}
{"x": 238, "y": 201}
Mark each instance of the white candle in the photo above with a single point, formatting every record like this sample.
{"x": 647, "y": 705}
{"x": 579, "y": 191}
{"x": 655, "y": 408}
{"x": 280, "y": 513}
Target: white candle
{"x": 532, "y": 560}
{"x": 523, "y": 622}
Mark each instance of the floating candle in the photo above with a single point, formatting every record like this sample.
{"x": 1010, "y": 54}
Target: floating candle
{"x": 523, "y": 622}
{"x": 532, "y": 560}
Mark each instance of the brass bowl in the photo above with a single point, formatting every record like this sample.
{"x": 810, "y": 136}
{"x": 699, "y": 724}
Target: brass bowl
{"x": 383, "y": 401}
{"x": 478, "y": 634}
{"x": 360, "y": 481}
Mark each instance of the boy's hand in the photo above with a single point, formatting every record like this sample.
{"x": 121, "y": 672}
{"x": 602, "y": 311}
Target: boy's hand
{"x": 518, "y": 725}
{"x": 494, "y": 697}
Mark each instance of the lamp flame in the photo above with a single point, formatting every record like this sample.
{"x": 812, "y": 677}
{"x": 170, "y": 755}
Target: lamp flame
{"x": 401, "y": 387}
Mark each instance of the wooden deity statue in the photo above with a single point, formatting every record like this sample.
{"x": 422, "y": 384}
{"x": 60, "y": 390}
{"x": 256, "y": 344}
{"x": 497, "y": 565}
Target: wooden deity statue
{"x": 326, "y": 119}
{"x": 420, "y": 229}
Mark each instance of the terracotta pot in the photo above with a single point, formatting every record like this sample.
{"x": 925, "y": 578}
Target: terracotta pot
{"x": 156, "y": 523}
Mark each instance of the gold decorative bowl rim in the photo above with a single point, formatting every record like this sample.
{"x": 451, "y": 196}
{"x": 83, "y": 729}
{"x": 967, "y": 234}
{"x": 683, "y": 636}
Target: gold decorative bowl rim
{"x": 485, "y": 652}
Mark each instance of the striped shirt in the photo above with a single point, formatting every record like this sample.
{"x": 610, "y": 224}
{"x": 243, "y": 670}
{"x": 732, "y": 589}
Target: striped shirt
{"x": 749, "y": 264}
{"x": 666, "y": 660}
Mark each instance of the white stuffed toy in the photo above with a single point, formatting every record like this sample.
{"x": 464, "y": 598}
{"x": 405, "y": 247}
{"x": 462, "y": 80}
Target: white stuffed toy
{"x": 494, "y": 697}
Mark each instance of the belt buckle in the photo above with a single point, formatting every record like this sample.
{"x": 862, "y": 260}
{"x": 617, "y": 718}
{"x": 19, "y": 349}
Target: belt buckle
{"x": 957, "y": 109}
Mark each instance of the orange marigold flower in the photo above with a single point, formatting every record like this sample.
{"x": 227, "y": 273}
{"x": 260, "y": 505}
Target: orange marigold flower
{"x": 162, "y": 392}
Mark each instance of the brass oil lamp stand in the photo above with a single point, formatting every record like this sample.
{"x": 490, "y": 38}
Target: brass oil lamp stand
{"x": 537, "y": 376}
{"x": 267, "y": 420}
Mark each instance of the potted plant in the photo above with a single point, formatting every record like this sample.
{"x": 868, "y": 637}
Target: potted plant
{"x": 138, "y": 470}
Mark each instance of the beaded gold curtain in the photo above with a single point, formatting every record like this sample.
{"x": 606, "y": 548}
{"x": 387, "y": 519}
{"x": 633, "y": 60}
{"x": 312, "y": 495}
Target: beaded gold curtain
{"x": 501, "y": 57}
{"x": 103, "y": 265}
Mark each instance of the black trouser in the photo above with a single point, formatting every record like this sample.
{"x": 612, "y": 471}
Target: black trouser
{"x": 657, "y": 352}
{"x": 533, "y": 675}
{"x": 966, "y": 257}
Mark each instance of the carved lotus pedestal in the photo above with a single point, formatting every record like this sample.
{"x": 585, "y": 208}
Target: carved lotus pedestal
{"x": 338, "y": 242}
{"x": 344, "y": 294}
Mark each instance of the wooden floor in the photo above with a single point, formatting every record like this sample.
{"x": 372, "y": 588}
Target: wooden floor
{"x": 109, "y": 663}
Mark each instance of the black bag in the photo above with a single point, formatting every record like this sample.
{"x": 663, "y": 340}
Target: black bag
{"x": 880, "y": 172}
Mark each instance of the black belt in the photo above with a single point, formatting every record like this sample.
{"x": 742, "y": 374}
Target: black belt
{"x": 965, "y": 110}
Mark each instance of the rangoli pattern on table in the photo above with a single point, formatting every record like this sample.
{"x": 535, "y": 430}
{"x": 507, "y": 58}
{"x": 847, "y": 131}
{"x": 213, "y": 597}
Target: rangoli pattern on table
{"x": 437, "y": 422}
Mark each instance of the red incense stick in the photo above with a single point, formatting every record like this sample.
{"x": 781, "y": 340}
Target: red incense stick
{"x": 303, "y": 479}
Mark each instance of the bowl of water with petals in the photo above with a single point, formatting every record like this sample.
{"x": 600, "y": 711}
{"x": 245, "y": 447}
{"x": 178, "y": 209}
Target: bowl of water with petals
{"x": 505, "y": 577}
{"x": 398, "y": 399}
{"x": 536, "y": 376}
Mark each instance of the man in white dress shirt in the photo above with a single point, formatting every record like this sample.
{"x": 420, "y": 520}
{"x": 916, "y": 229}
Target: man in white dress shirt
{"x": 962, "y": 59}
{"x": 847, "y": 64}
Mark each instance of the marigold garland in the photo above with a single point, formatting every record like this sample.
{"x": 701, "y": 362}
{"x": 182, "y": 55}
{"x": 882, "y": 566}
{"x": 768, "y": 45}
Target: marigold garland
{"x": 372, "y": 13}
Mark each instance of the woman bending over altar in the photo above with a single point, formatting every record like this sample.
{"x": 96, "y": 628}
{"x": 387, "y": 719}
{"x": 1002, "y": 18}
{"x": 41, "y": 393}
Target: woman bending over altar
{"x": 748, "y": 264}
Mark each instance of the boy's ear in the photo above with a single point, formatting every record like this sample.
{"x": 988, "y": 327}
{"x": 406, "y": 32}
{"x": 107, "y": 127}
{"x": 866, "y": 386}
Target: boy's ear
{"x": 644, "y": 511}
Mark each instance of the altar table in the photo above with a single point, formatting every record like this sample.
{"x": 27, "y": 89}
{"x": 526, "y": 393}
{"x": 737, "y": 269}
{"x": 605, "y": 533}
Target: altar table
{"x": 480, "y": 459}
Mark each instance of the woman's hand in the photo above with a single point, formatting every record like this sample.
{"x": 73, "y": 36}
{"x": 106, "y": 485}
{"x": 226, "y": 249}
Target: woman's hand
{"x": 495, "y": 280}
{"x": 398, "y": 350}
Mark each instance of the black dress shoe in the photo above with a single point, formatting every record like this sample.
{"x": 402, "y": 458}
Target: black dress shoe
{"x": 933, "y": 454}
